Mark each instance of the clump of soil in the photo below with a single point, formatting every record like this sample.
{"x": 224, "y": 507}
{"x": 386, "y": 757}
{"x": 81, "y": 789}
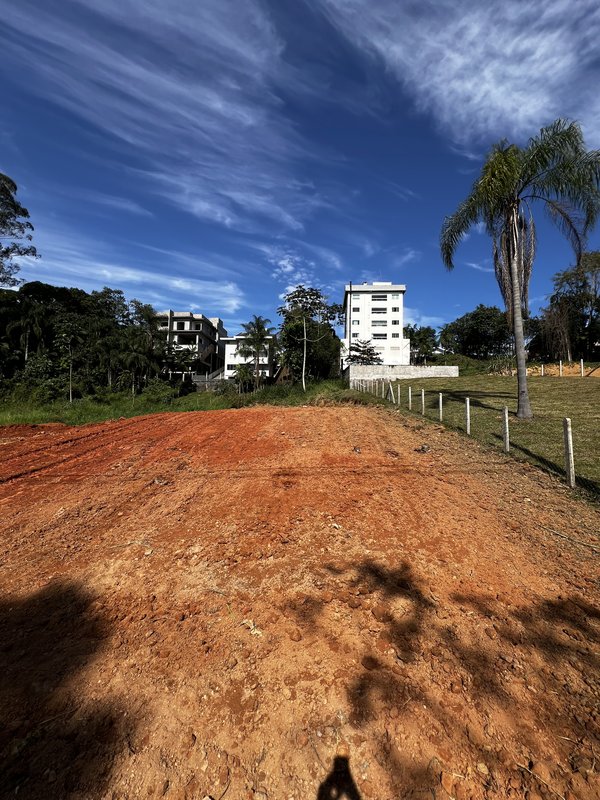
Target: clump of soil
{"x": 292, "y": 603}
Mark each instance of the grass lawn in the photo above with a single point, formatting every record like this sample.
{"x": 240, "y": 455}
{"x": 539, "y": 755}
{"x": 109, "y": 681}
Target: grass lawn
{"x": 539, "y": 440}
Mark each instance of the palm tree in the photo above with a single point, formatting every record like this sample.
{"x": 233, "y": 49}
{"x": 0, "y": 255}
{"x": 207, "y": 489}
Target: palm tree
{"x": 256, "y": 336}
{"x": 555, "y": 171}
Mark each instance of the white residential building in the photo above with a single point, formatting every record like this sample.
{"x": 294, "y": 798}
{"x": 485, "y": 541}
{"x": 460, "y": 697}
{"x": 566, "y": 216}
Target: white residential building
{"x": 374, "y": 313}
{"x": 233, "y": 357}
{"x": 203, "y": 335}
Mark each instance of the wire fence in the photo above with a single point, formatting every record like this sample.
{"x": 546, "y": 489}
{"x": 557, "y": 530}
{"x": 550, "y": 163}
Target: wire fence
{"x": 393, "y": 394}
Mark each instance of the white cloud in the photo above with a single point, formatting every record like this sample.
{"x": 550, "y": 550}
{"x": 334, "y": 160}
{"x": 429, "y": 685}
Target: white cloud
{"x": 484, "y": 68}
{"x": 188, "y": 95}
{"x": 479, "y": 267}
{"x": 414, "y": 316}
{"x": 408, "y": 255}
{"x": 69, "y": 259}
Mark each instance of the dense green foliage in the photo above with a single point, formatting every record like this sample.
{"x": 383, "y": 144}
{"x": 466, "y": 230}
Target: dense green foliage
{"x": 309, "y": 345}
{"x": 555, "y": 171}
{"x": 60, "y": 343}
{"x": 569, "y": 328}
{"x": 482, "y": 333}
{"x": 15, "y": 232}
{"x": 423, "y": 342}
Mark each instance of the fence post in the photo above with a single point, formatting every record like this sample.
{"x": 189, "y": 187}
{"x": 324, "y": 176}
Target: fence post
{"x": 410, "y": 398}
{"x": 542, "y": 370}
{"x": 569, "y": 461}
{"x": 392, "y": 393}
{"x": 560, "y": 369}
{"x": 468, "y": 415}
{"x": 581, "y": 366}
{"x": 505, "y": 431}
{"x": 441, "y": 407}
{"x": 398, "y": 395}
{"x": 423, "y": 402}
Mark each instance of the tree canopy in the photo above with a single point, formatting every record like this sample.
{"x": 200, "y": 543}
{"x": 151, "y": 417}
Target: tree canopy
{"x": 308, "y": 341}
{"x": 481, "y": 333}
{"x": 362, "y": 352}
{"x": 554, "y": 171}
{"x": 15, "y": 232}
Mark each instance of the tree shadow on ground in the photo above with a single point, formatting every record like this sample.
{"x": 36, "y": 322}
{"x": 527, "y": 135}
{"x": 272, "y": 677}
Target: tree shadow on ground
{"x": 467, "y": 663}
{"x": 54, "y": 744}
{"x": 477, "y": 398}
{"x": 551, "y": 466}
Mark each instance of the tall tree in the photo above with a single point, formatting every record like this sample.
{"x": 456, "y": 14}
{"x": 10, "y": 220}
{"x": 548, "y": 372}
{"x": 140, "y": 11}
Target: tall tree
{"x": 255, "y": 342}
{"x": 307, "y": 335}
{"x": 554, "y": 170}
{"x": 15, "y": 232}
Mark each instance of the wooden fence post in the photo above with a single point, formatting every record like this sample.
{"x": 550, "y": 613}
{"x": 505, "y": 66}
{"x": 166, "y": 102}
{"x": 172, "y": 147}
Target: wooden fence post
{"x": 505, "y": 431}
{"x": 581, "y": 366}
{"x": 542, "y": 370}
{"x": 560, "y": 369}
{"x": 410, "y": 398}
{"x": 468, "y": 415}
{"x": 392, "y": 392}
{"x": 441, "y": 402}
{"x": 423, "y": 402}
{"x": 569, "y": 461}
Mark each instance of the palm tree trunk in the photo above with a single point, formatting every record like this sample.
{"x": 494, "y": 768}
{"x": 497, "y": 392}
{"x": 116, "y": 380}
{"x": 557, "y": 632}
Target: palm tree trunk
{"x": 523, "y": 405}
{"x": 26, "y": 345}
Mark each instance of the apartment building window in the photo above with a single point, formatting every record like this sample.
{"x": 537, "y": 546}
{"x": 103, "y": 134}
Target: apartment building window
{"x": 395, "y": 296}
{"x": 355, "y": 335}
{"x": 377, "y": 298}
{"x": 379, "y": 323}
{"x": 395, "y": 308}
{"x": 356, "y": 322}
{"x": 198, "y": 326}
{"x": 395, "y": 322}
{"x": 181, "y": 326}
{"x": 395, "y": 335}
{"x": 380, "y": 335}
{"x": 378, "y": 310}
{"x": 357, "y": 308}
{"x": 356, "y": 297}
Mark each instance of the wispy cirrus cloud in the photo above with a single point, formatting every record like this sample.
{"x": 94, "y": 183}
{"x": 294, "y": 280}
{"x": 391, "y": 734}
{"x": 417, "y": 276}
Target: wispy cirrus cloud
{"x": 70, "y": 259}
{"x": 189, "y": 95}
{"x": 479, "y": 267}
{"x": 483, "y": 68}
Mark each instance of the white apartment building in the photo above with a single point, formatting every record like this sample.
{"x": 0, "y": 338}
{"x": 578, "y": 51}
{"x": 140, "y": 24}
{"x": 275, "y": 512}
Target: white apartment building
{"x": 233, "y": 357}
{"x": 204, "y": 335}
{"x": 374, "y": 312}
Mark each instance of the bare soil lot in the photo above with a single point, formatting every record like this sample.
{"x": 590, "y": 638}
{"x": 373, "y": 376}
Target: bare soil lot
{"x": 304, "y": 603}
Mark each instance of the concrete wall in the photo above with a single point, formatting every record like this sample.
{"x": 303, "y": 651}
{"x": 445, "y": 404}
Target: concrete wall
{"x": 396, "y": 372}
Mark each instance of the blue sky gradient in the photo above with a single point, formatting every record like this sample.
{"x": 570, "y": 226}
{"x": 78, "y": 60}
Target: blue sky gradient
{"x": 209, "y": 155}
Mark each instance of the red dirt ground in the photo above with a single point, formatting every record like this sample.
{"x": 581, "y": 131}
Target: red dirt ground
{"x": 305, "y": 603}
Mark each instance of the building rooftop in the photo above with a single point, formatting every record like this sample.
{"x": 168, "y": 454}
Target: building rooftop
{"x": 381, "y": 285}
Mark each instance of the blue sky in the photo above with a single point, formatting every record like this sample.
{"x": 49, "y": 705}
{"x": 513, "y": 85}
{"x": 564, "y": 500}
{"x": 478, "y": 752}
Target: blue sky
{"x": 208, "y": 154}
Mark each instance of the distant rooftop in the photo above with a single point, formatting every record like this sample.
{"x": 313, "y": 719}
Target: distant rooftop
{"x": 381, "y": 285}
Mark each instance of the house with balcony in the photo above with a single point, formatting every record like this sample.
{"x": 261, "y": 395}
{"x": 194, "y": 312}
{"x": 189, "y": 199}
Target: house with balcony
{"x": 203, "y": 337}
{"x": 233, "y": 357}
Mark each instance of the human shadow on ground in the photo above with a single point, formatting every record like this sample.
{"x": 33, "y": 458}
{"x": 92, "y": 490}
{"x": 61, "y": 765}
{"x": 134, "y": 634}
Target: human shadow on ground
{"x": 339, "y": 784}
{"x": 54, "y": 743}
{"x": 551, "y": 466}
